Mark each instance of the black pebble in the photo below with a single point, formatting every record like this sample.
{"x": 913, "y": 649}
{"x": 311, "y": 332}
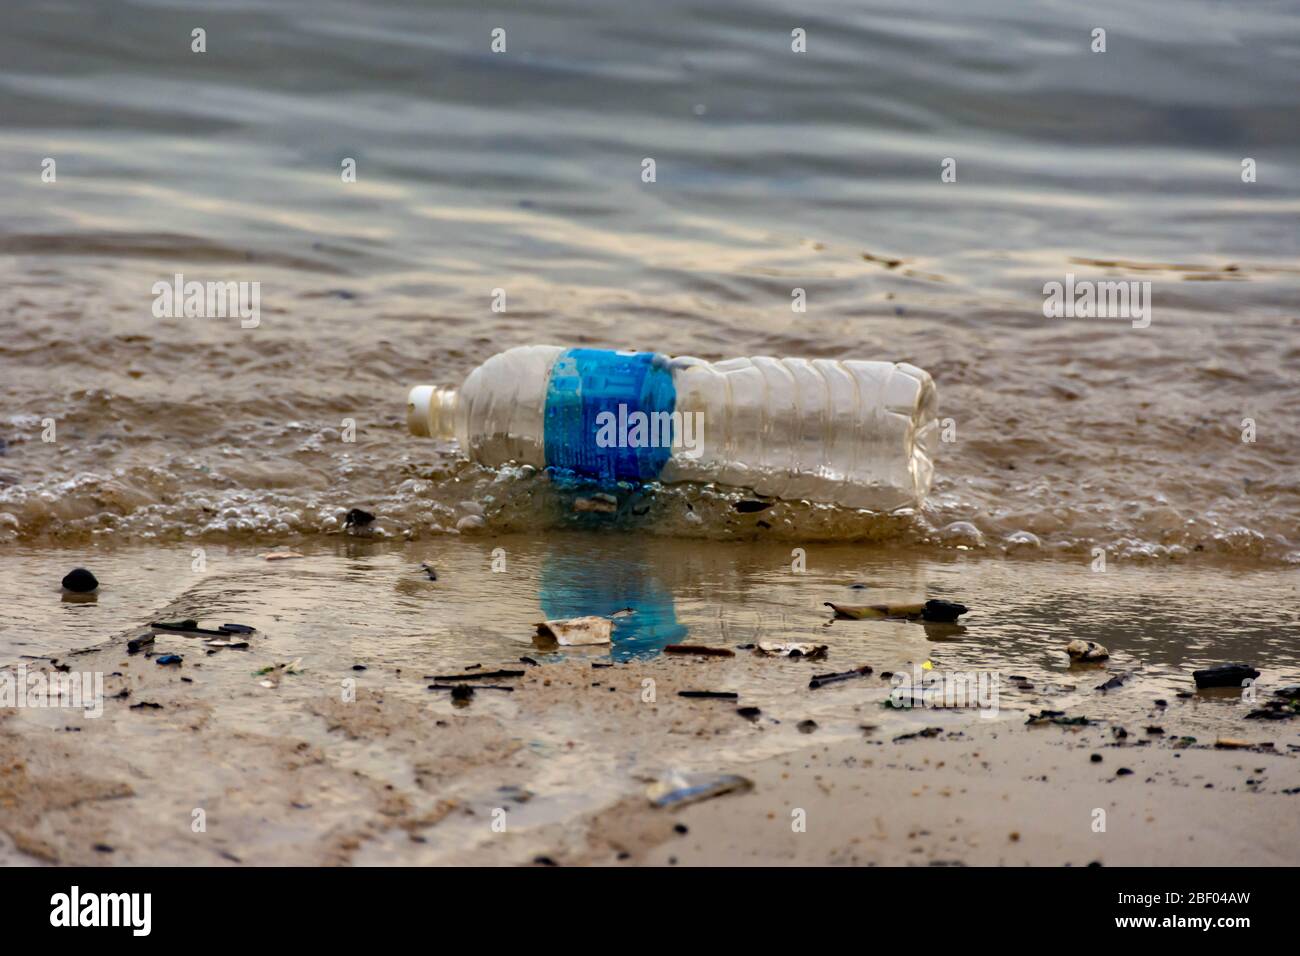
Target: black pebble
{"x": 357, "y": 518}
{"x": 1224, "y": 675}
{"x": 358, "y": 667}
{"x": 1123, "y": 772}
{"x": 680, "y": 828}
{"x": 750, "y": 507}
{"x": 80, "y": 581}
{"x": 1095, "y": 758}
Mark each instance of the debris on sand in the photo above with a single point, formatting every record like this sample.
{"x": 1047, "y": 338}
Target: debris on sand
{"x": 813, "y": 652}
{"x": 280, "y": 555}
{"x": 940, "y": 612}
{"x": 233, "y": 645}
{"x": 429, "y": 570}
{"x": 274, "y": 672}
{"x": 927, "y": 732}
{"x": 169, "y": 659}
{"x": 709, "y": 694}
{"x": 577, "y": 631}
{"x": 700, "y": 649}
{"x": 146, "y": 705}
{"x": 1224, "y": 675}
{"x": 1279, "y": 709}
{"x": 749, "y": 713}
{"x": 236, "y": 629}
{"x": 1056, "y": 717}
{"x": 681, "y": 789}
{"x": 751, "y": 506}
{"x": 480, "y": 675}
{"x": 821, "y": 680}
{"x": 80, "y": 581}
{"x": 1230, "y": 743}
{"x": 136, "y": 644}
{"x": 806, "y": 726}
{"x": 191, "y": 626}
{"x": 1086, "y": 651}
{"x": 1115, "y": 682}
{"x": 599, "y": 503}
{"x": 458, "y": 690}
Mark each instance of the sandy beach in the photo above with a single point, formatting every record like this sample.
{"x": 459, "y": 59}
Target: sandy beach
{"x": 352, "y": 759}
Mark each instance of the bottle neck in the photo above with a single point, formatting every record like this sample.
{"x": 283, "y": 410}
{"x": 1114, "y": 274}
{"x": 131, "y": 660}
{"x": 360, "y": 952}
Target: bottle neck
{"x": 431, "y": 411}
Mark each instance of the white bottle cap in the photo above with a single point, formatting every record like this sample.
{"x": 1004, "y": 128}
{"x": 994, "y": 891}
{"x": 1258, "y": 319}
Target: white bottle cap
{"x": 419, "y": 405}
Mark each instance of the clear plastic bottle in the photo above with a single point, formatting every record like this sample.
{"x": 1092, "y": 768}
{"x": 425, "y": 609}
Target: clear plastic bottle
{"x": 858, "y": 434}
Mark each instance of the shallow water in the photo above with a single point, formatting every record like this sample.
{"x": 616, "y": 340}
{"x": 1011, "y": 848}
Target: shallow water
{"x": 368, "y": 602}
{"x": 521, "y": 171}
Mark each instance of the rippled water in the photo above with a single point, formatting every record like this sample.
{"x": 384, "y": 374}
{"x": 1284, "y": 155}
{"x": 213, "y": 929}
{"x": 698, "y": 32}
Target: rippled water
{"x": 521, "y": 171}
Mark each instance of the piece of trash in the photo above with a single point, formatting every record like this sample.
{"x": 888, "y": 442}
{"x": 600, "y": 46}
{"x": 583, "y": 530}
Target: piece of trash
{"x": 529, "y": 661}
{"x": 462, "y": 692}
{"x": 942, "y": 612}
{"x": 169, "y": 659}
{"x": 188, "y": 626}
{"x": 577, "y": 631}
{"x": 813, "y": 652}
{"x": 927, "y": 732}
{"x": 1116, "y": 681}
{"x": 233, "y": 645}
{"x": 146, "y": 705}
{"x": 1280, "y": 709}
{"x": 454, "y": 688}
{"x": 699, "y": 649}
{"x": 356, "y": 518}
{"x": 481, "y": 675}
{"x": 1086, "y": 651}
{"x": 821, "y": 680}
{"x": 681, "y": 789}
{"x": 273, "y": 672}
{"x": 80, "y": 581}
{"x": 749, "y": 713}
{"x": 709, "y": 694}
{"x": 1230, "y": 743}
{"x": 625, "y": 612}
{"x": 1056, "y": 717}
{"x": 280, "y": 555}
{"x": 429, "y": 569}
{"x": 236, "y": 629}
{"x": 599, "y": 503}
{"x": 1224, "y": 675}
{"x": 750, "y": 506}
{"x": 136, "y": 644}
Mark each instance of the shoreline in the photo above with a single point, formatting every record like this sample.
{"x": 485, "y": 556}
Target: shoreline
{"x": 557, "y": 769}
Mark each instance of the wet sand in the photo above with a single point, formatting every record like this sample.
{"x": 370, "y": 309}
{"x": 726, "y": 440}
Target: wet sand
{"x": 557, "y": 769}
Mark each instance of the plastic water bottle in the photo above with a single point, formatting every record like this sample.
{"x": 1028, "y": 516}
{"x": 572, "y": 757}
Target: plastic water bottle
{"x": 858, "y": 434}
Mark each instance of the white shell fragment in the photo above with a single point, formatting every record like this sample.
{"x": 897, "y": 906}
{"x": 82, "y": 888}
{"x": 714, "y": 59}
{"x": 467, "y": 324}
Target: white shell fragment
{"x": 578, "y": 631}
{"x": 792, "y": 649}
{"x": 1086, "y": 651}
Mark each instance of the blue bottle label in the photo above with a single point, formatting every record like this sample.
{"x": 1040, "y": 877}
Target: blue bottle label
{"x": 609, "y": 414}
